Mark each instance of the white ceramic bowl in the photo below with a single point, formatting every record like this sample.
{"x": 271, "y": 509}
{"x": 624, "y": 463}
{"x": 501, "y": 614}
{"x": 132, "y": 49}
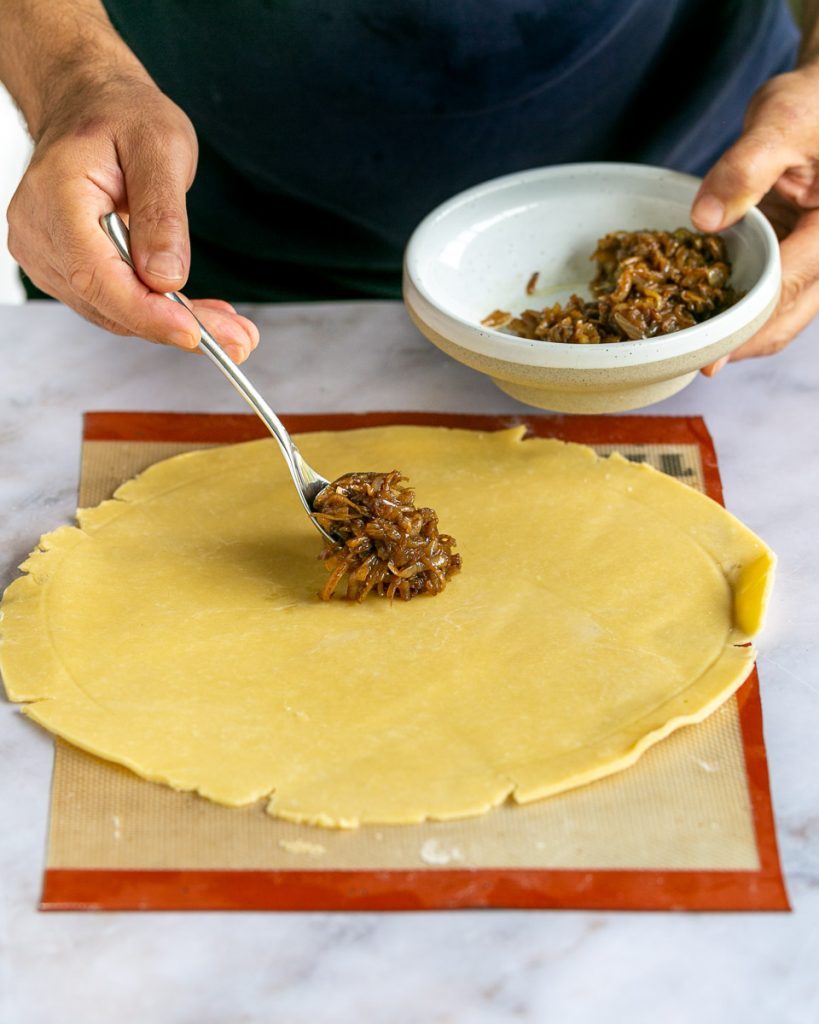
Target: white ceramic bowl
{"x": 476, "y": 253}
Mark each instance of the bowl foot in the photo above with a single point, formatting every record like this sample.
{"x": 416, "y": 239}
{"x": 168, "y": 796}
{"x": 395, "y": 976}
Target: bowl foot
{"x": 619, "y": 399}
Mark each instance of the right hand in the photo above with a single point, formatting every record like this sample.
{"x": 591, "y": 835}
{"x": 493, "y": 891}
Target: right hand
{"x": 121, "y": 146}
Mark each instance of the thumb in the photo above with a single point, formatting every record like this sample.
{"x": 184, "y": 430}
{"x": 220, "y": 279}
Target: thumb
{"x": 741, "y": 177}
{"x": 156, "y": 182}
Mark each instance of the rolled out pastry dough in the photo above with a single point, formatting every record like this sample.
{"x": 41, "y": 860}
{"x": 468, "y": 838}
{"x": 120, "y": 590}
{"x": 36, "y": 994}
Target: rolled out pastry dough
{"x": 177, "y": 630}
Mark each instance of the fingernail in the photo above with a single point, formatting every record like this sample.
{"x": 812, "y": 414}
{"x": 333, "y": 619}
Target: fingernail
{"x": 164, "y": 264}
{"x": 708, "y": 212}
{"x": 183, "y": 339}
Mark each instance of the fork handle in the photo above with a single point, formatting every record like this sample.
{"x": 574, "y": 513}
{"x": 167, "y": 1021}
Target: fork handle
{"x": 303, "y": 475}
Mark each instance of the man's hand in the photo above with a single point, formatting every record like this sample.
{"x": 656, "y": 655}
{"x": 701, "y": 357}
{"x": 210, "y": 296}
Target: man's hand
{"x": 106, "y": 138}
{"x": 775, "y": 164}
{"x": 130, "y": 149}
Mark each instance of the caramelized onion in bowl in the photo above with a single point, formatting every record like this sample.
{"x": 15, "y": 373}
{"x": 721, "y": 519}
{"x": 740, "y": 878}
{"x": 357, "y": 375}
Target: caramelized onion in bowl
{"x": 648, "y": 283}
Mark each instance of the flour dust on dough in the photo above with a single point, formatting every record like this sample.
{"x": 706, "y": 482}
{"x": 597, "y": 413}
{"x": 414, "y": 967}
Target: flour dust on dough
{"x": 177, "y": 630}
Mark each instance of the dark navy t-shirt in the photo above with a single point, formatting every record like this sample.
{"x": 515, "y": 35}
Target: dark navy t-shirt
{"x": 329, "y": 128}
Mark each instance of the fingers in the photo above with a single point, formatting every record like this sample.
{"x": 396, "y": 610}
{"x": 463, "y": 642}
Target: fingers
{"x": 237, "y": 335}
{"x": 741, "y": 177}
{"x": 799, "y": 297}
{"x": 97, "y": 280}
{"x": 51, "y": 272}
{"x": 54, "y": 233}
{"x": 51, "y": 281}
{"x": 54, "y": 230}
{"x": 782, "y": 214}
{"x": 800, "y": 185}
{"x": 226, "y": 307}
{"x": 713, "y": 368}
{"x": 779, "y": 141}
{"x": 775, "y": 159}
{"x": 157, "y": 176}
{"x": 97, "y": 276}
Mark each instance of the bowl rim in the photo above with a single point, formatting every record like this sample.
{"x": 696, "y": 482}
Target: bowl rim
{"x": 495, "y": 344}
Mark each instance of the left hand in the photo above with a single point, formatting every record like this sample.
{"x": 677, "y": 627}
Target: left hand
{"x": 774, "y": 163}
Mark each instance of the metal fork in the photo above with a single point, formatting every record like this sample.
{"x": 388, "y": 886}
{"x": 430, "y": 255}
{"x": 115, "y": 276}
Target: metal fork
{"x": 308, "y": 482}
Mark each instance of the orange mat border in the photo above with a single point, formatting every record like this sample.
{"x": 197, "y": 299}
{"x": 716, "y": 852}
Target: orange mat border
{"x": 430, "y": 889}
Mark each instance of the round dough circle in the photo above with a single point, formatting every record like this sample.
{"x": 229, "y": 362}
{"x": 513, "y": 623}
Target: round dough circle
{"x": 177, "y": 631}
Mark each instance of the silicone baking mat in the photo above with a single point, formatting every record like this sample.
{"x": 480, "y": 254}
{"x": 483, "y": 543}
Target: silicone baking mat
{"x": 690, "y": 826}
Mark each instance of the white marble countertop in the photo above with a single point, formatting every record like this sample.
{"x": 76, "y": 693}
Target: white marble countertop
{"x": 432, "y": 968}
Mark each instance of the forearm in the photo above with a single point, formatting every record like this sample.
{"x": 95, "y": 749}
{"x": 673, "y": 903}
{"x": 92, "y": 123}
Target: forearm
{"x": 51, "y": 47}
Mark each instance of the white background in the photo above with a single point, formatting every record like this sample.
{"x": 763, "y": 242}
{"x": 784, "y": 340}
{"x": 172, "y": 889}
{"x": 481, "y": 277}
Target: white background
{"x": 14, "y": 150}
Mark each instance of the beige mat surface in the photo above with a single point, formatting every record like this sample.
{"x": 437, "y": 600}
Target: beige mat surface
{"x": 689, "y": 827}
{"x": 684, "y": 806}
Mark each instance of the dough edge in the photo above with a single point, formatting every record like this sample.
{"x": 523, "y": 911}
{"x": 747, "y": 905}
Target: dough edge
{"x": 20, "y": 607}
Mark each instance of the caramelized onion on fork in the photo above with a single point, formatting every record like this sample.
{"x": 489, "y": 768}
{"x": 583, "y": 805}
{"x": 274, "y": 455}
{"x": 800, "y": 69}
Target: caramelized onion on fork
{"x": 386, "y": 545}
